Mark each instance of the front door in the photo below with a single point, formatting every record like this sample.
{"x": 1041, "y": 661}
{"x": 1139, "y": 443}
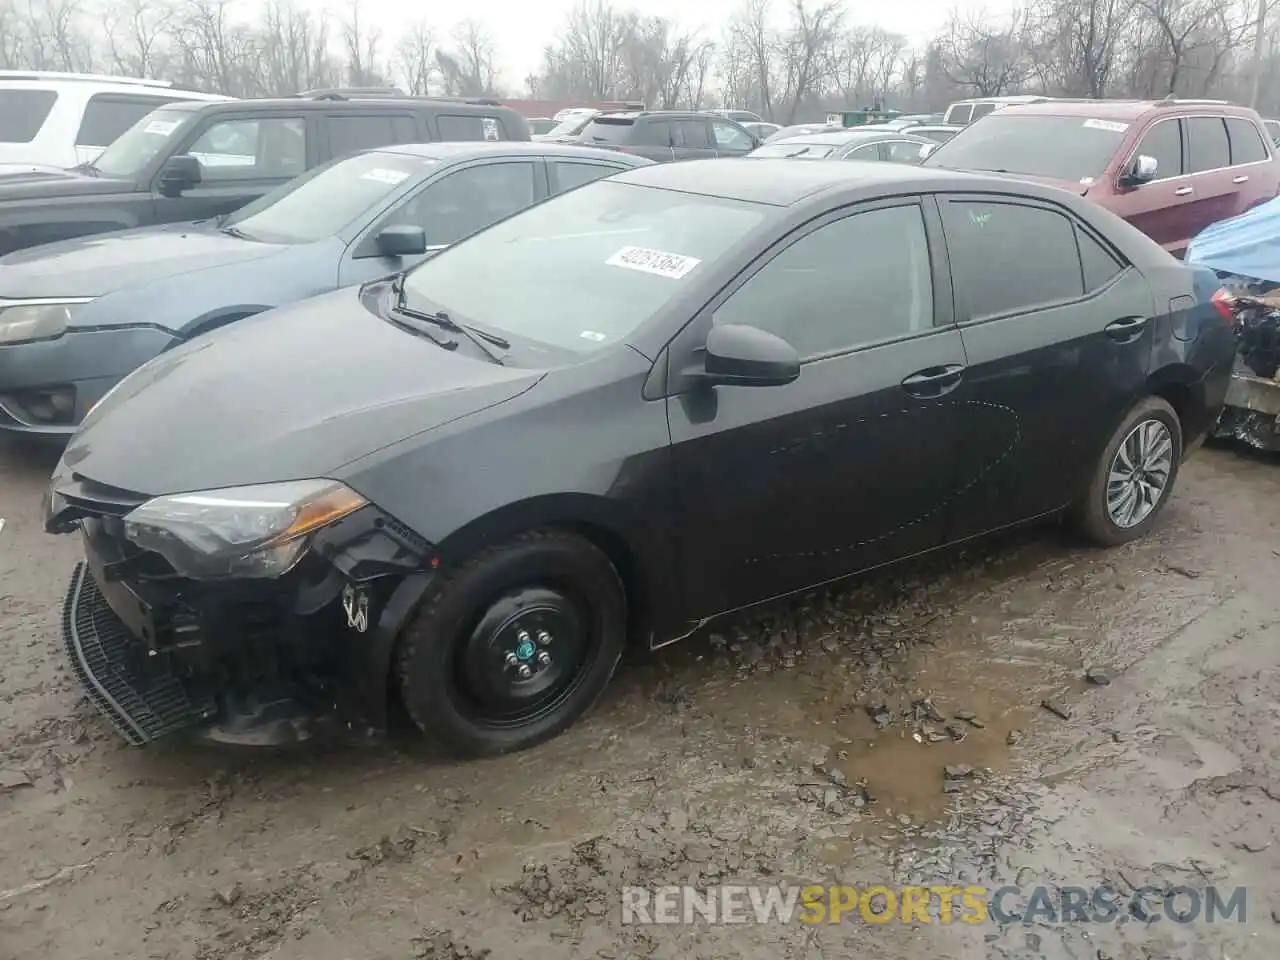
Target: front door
{"x": 1058, "y": 336}
{"x": 1160, "y": 207}
{"x": 850, "y": 466}
{"x": 241, "y": 158}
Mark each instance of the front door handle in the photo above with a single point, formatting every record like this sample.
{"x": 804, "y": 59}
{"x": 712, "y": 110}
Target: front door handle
{"x": 1240, "y": 179}
{"x": 1182, "y": 191}
{"x": 934, "y": 381}
{"x": 1126, "y": 328}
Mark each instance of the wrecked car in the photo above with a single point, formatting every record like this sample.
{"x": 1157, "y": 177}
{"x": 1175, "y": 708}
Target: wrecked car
{"x": 1244, "y": 253}
{"x": 663, "y": 396}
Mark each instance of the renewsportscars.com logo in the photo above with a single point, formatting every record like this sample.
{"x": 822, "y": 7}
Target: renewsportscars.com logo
{"x": 939, "y": 904}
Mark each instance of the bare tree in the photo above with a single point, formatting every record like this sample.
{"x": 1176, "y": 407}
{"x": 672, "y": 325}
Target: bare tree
{"x": 984, "y": 57}
{"x": 362, "y": 44}
{"x": 415, "y": 58}
{"x": 469, "y": 68}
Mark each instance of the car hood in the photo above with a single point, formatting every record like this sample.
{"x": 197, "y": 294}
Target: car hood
{"x": 290, "y": 394}
{"x": 95, "y": 265}
{"x": 26, "y": 182}
{"x": 10, "y": 169}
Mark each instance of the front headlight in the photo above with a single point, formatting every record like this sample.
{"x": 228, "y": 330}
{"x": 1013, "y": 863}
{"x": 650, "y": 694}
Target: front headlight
{"x": 255, "y": 532}
{"x": 36, "y": 321}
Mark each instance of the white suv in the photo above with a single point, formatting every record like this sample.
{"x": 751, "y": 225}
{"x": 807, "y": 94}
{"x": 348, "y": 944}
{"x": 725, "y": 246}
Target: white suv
{"x": 66, "y": 119}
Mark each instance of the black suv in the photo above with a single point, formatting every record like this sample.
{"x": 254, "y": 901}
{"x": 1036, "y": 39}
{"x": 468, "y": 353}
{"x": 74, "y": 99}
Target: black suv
{"x": 669, "y": 135}
{"x": 193, "y": 160}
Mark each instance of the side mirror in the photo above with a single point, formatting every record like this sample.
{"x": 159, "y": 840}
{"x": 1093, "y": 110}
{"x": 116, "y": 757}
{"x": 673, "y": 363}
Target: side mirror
{"x": 1141, "y": 170}
{"x": 178, "y": 174}
{"x": 402, "y": 240}
{"x": 743, "y": 356}
{"x": 926, "y": 150}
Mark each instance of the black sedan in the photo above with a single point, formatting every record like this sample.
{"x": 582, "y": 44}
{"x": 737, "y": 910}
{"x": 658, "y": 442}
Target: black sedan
{"x": 667, "y": 395}
{"x": 860, "y": 144}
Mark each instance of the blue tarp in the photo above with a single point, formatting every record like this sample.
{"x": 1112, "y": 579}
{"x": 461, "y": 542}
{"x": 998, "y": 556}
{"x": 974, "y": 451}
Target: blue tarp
{"x": 1247, "y": 245}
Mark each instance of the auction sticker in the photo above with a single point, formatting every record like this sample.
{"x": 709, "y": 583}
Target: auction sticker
{"x": 1110, "y": 125}
{"x": 383, "y": 175}
{"x": 162, "y": 127}
{"x": 672, "y": 265}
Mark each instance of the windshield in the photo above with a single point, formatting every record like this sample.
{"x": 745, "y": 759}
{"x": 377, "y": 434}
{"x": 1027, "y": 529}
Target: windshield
{"x": 794, "y": 148}
{"x": 1061, "y": 148}
{"x": 586, "y": 268}
{"x": 129, "y": 155}
{"x": 320, "y": 203}
{"x": 572, "y": 126}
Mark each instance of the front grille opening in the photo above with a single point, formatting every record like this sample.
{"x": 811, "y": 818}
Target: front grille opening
{"x": 43, "y": 407}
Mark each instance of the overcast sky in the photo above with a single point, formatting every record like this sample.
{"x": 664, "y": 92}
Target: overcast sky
{"x": 521, "y": 28}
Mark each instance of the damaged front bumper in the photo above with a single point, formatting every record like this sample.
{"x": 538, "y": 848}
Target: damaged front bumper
{"x": 1252, "y": 411}
{"x": 253, "y": 662}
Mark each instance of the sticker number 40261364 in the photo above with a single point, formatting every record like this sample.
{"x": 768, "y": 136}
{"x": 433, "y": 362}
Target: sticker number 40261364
{"x": 659, "y": 262}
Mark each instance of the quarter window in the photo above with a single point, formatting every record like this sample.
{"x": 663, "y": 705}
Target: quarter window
{"x": 1163, "y": 143}
{"x": 842, "y": 286}
{"x": 996, "y": 269}
{"x": 453, "y": 127}
{"x": 570, "y": 174}
{"x": 1096, "y": 261}
{"x": 1207, "y": 141}
{"x": 1246, "y": 141}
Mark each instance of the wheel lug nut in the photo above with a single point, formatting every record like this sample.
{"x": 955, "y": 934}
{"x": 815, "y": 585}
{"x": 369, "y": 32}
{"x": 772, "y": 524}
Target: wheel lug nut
{"x": 544, "y": 658}
{"x": 525, "y": 672}
{"x": 523, "y": 636}
{"x": 544, "y": 638}
{"x": 511, "y": 659}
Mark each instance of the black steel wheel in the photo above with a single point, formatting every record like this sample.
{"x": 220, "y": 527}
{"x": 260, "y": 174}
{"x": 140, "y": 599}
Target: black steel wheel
{"x": 514, "y": 646}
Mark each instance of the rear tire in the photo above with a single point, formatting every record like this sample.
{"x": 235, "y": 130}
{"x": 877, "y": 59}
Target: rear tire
{"x": 514, "y": 646}
{"x": 1134, "y": 477}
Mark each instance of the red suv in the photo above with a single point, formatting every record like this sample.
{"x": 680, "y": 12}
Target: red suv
{"x": 1169, "y": 167}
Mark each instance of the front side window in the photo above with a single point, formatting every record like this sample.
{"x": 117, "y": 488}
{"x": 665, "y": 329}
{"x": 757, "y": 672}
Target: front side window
{"x": 458, "y": 204}
{"x": 586, "y": 268}
{"x": 903, "y": 151}
{"x": 730, "y": 138}
{"x": 1163, "y": 143}
{"x": 984, "y": 237}
{"x": 265, "y": 148}
{"x": 23, "y": 112}
{"x": 327, "y": 199}
{"x": 1059, "y": 148}
{"x": 842, "y": 286}
{"x": 868, "y": 151}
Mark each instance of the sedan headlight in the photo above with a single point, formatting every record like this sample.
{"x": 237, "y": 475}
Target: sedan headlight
{"x": 36, "y": 321}
{"x": 255, "y": 532}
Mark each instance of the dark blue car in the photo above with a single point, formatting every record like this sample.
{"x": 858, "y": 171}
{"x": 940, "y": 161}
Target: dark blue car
{"x": 79, "y": 315}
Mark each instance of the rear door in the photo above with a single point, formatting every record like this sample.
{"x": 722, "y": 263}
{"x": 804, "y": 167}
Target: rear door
{"x": 1253, "y": 169}
{"x": 691, "y": 139}
{"x": 1215, "y": 192}
{"x": 1161, "y": 207}
{"x": 646, "y": 137}
{"x": 241, "y": 158}
{"x": 1058, "y": 337}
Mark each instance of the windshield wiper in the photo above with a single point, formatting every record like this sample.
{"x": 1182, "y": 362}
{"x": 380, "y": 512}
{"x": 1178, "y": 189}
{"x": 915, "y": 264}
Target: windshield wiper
{"x": 87, "y": 167}
{"x": 446, "y": 322}
{"x": 235, "y": 232}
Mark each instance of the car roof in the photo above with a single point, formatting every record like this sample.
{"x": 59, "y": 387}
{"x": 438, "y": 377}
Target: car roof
{"x": 781, "y": 182}
{"x": 321, "y": 103}
{"x": 841, "y": 137}
{"x": 1123, "y": 110}
{"x": 467, "y": 149}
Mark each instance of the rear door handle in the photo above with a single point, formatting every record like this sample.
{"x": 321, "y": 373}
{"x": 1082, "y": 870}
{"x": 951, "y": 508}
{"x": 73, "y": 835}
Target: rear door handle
{"x": 1126, "y": 328}
{"x": 1240, "y": 179}
{"x": 934, "y": 381}
{"x": 1182, "y": 191}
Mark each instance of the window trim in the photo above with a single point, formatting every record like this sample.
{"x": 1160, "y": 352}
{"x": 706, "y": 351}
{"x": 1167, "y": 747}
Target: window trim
{"x": 961, "y": 311}
{"x": 690, "y": 339}
{"x": 1108, "y": 248}
{"x": 1184, "y": 135}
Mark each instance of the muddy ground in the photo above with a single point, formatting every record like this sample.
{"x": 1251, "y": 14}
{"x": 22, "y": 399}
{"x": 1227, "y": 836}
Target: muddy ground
{"x": 745, "y": 755}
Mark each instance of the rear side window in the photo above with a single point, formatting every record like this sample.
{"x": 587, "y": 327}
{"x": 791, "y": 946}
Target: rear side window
{"x": 1207, "y": 144}
{"x": 655, "y": 133}
{"x": 348, "y": 134}
{"x": 611, "y": 130}
{"x": 983, "y": 237}
{"x": 106, "y": 117}
{"x": 1163, "y": 143}
{"x": 23, "y": 112}
{"x": 982, "y": 109}
{"x": 692, "y": 133}
{"x": 1246, "y": 141}
{"x": 1096, "y": 262}
{"x": 454, "y": 127}
{"x": 574, "y": 173}
{"x": 960, "y": 114}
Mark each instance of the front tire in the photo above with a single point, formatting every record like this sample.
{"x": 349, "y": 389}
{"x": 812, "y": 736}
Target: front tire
{"x": 1134, "y": 476}
{"x": 514, "y": 646}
